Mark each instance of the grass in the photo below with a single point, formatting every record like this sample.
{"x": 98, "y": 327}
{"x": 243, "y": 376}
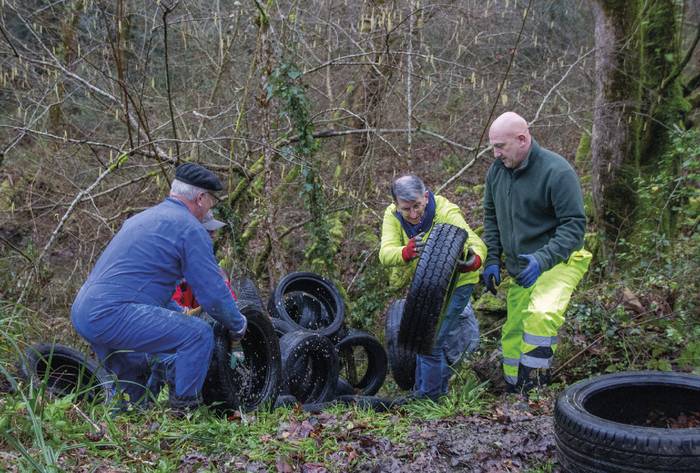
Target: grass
{"x": 57, "y": 434}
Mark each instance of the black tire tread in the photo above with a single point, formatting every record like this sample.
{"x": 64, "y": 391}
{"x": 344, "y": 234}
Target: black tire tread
{"x": 431, "y": 286}
{"x": 402, "y": 360}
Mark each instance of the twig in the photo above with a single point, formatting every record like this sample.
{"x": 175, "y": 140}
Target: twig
{"x": 562, "y": 79}
{"x": 461, "y": 171}
{"x": 360, "y": 269}
{"x": 12, "y": 245}
{"x": 166, "y": 11}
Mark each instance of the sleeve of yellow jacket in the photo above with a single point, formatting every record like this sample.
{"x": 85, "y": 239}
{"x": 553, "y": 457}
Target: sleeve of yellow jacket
{"x": 393, "y": 239}
{"x": 447, "y": 212}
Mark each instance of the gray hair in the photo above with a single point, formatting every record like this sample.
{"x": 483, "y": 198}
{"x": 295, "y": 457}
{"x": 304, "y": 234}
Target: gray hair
{"x": 409, "y": 188}
{"x": 188, "y": 191}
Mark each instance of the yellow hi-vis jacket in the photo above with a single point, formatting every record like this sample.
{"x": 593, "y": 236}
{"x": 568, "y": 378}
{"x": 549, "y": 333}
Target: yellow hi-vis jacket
{"x": 394, "y": 238}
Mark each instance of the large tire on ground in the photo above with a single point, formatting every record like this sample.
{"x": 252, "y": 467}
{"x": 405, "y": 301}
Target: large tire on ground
{"x": 431, "y": 287}
{"x": 308, "y": 301}
{"x": 363, "y": 362}
{"x": 66, "y": 371}
{"x": 310, "y": 366}
{"x": 250, "y": 368}
{"x": 402, "y": 361}
{"x": 614, "y": 423}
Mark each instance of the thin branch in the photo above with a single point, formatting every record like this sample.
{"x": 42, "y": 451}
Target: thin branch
{"x": 14, "y": 247}
{"x": 681, "y": 65}
{"x": 461, "y": 171}
{"x": 563, "y": 78}
{"x": 166, "y": 11}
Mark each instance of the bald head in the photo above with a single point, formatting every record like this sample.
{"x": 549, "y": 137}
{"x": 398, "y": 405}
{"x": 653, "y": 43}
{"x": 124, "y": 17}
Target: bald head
{"x": 510, "y": 138}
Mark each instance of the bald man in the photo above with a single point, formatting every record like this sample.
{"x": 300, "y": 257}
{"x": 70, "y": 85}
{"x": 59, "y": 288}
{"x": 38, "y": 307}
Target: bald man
{"x": 534, "y": 218}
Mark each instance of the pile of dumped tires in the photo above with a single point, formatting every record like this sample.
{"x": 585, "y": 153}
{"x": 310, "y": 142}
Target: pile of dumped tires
{"x": 304, "y": 353}
{"x": 322, "y": 360}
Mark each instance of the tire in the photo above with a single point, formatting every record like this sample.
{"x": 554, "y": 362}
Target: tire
{"x": 378, "y": 404}
{"x": 315, "y": 380}
{"x": 282, "y": 327}
{"x": 600, "y": 424}
{"x": 343, "y": 388}
{"x": 309, "y": 302}
{"x": 285, "y": 401}
{"x": 66, "y": 371}
{"x": 213, "y": 393}
{"x": 371, "y": 358}
{"x": 431, "y": 287}
{"x": 256, "y": 377}
{"x": 247, "y": 293}
{"x": 402, "y": 361}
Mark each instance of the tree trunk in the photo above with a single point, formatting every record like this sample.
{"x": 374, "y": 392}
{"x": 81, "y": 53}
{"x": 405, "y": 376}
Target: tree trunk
{"x": 636, "y": 105}
{"x": 613, "y": 143}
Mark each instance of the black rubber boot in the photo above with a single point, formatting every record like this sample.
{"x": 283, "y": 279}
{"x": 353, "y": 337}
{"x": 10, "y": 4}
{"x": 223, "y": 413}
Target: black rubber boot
{"x": 531, "y": 378}
{"x": 180, "y": 406}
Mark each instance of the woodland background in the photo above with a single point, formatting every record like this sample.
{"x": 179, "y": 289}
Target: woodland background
{"x": 309, "y": 109}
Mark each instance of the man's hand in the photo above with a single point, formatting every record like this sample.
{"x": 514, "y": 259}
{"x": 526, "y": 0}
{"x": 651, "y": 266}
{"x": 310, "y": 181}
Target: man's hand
{"x": 413, "y": 248}
{"x": 532, "y": 271}
{"x": 471, "y": 263}
{"x": 196, "y": 311}
{"x": 492, "y": 277}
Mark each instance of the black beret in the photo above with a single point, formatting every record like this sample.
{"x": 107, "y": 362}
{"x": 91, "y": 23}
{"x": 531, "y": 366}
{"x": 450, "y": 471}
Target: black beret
{"x": 196, "y": 175}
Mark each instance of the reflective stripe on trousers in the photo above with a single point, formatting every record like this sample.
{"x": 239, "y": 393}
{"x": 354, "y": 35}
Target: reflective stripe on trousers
{"x": 535, "y": 314}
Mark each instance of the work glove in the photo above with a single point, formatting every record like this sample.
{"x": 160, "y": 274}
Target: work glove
{"x": 472, "y": 262}
{"x": 413, "y": 248}
{"x": 196, "y": 311}
{"x": 492, "y": 277}
{"x": 532, "y": 271}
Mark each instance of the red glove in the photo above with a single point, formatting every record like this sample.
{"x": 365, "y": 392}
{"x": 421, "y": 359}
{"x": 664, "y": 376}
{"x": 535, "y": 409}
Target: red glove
{"x": 409, "y": 251}
{"x": 471, "y": 263}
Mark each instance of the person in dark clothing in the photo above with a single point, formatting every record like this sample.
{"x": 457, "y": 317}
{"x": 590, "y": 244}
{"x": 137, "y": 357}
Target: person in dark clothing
{"x": 534, "y": 216}
{"x": 122, "y": 308}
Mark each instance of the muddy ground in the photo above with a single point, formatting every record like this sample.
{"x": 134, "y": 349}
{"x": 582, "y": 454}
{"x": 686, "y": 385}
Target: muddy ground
{"x": 515, "y": 437}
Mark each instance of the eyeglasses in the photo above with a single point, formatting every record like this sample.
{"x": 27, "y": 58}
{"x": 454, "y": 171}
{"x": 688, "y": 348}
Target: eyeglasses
{"x": 214, "y": 199}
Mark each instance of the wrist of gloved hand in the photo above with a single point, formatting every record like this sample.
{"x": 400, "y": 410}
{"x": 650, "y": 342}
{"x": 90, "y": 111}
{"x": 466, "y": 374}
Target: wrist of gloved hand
{"x": 472, "y": 263}
{"x": 240, "y": 333}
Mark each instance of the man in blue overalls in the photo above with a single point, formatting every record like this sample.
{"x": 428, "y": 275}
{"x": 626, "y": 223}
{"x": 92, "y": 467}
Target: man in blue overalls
{"x": 121, "y": 309}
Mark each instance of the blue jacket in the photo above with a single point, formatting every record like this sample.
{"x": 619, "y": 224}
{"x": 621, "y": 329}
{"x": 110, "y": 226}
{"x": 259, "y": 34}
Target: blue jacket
{"x": 148, "y": 256}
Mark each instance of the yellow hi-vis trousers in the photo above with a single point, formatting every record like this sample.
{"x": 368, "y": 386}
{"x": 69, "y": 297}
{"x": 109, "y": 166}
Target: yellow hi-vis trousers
{"x": 535, "y": 314}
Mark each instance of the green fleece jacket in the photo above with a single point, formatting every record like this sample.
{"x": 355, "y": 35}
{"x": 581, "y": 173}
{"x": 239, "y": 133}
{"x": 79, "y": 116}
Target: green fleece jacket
{"x": 535, "y": 209}
{"x": 394, "y": 238}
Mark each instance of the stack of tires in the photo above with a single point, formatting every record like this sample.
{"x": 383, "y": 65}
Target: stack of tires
{"x": 412, "y": 324}
{"x": 323, "y": 360}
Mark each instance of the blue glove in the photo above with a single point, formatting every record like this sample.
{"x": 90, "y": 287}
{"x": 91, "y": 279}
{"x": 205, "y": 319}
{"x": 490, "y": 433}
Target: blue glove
{"x": 492, "y": 277}
{"x": 532, "y": 271}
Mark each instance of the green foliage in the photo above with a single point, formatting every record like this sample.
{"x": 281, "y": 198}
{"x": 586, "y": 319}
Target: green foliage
{"x": 284, "y": 84}
{"x": 466, "y": 397}
{"x": 668, "y": 199}
{"x": 369, "y": 297}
